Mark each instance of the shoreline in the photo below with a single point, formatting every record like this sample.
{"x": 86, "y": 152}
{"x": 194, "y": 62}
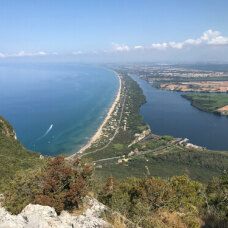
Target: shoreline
{"x": 98, "y": 133}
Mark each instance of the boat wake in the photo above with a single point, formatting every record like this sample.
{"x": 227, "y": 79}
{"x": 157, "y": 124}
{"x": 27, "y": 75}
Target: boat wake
{"x": 46, "y": 133}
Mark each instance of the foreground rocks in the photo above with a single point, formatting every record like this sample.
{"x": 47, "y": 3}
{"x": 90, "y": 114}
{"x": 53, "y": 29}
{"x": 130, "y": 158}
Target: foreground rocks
{"x": 37, "y": 216}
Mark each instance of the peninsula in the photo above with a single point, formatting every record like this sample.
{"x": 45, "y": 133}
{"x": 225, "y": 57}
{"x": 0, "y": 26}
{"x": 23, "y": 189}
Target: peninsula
{"x": 217, "y": 103}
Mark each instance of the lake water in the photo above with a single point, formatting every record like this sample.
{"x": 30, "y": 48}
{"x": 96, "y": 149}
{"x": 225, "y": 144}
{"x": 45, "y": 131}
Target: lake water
{"x": 168, "y": 113}
{"x": 55, "y": 108}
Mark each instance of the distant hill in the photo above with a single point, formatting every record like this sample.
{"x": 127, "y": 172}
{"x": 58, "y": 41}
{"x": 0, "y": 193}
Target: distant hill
{"x": 13, "y": 155}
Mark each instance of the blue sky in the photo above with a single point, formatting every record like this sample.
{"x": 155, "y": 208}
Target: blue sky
{"x": 105, "y": 29}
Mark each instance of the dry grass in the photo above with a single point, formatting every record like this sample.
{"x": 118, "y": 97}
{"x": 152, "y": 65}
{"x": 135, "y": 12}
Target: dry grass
{"x": 118, "y": 222}
{"x": 168, "y": 220}
{"x": 80, "y": 211}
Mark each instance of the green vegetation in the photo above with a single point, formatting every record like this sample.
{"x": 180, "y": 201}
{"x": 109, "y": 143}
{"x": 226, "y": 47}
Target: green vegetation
{"x": 161, "y": 156}
{"x": 177, "y": 202}
{"x": 200, "y": 165}
{"x": 19, "y": 191}
{"x": 58, "y": 184}
{"x": 154, "y": 182}
{"x": 147, "y": 202}
{"x": 13, "y": 156}
{"x": 134, "y": 99}
{"x": 167, "y": 137}
{"x": 207, "y": 102}
{"x": 155, "y": 155}
{"x": 145, "y": 199}
{"x": 118, "y": 146}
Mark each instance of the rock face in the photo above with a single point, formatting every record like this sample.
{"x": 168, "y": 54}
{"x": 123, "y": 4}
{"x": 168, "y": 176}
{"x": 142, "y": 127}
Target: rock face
{"x": 37, "y": 216}
{"x": 6, "y": 128}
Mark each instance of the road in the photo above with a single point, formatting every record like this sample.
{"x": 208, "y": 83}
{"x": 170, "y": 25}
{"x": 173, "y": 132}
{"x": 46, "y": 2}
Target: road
{"x": 106, "y": 159}
{"x": 146, "y": 152}
{"x": 115, "y": 133}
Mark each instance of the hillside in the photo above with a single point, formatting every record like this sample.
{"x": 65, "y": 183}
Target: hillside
{"x": 62, "y": 188}
{"x": 64, "y": 184}
{"x": 13, "y": 155}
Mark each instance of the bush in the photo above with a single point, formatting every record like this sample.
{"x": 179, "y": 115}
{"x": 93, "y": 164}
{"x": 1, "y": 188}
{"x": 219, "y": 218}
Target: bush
{"x": 217, "y": 202}
{"x": 21, "y": 190}
{"x": 59, "y": 184}
{"x": 64, "y": 186}
{"x": 187, "y": 195}
{"x": 141, "y": 199}
{"x": 167, "y": 137}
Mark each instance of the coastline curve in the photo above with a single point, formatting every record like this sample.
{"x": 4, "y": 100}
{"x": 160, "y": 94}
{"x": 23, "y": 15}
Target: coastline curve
{"x": 99, "y": 131}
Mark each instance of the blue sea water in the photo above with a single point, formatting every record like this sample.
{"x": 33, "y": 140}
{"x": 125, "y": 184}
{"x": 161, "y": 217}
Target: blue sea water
{"x": 55, "y": 107}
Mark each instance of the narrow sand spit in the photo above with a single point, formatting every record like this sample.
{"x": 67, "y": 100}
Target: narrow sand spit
{"x": 98, "y": 133}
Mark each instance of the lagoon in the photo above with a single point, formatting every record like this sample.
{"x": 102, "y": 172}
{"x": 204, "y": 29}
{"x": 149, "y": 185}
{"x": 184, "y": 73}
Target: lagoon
{"x": 168, "y": 113}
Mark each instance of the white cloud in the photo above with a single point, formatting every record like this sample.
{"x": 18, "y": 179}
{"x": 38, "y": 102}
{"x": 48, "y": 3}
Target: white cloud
{"x": 23, "y": 53}
{"x": 27, "y": 54}
{"x": 77, "y": 53}
{"x": 219, "y": 40}
{"x": 2, "y": 55}
{"x": 209, "y": 34}
{"x": 120, "y": 47}
{"x": 176, "y": 45}
{"x": 137, "y": 47}
{"x": 161, "y": 46}
{"x": 192, "y": 41}
{"x": 209, "y": 37}
{"x": 41, "y": 53}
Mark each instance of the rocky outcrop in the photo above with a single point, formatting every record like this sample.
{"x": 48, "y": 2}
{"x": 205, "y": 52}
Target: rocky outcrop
{"x": 37, "y": 216}
{"x": 6, "y": 128}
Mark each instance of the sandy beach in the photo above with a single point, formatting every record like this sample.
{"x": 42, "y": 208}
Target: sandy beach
{"x": 99, "y": 131}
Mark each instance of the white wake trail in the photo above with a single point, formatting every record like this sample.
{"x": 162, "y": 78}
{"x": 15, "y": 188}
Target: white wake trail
{"x": 48, "y": 130}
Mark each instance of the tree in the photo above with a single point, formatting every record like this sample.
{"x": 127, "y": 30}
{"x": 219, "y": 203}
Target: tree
{"x": 217, "y": 202}
{"x": 59, "y": 184}
{"x": 64, "y": 184}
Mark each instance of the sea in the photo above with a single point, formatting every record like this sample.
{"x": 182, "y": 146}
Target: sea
{"x": 55, "y": 108}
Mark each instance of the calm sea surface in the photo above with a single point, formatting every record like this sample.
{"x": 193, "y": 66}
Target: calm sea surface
{"x": 168, "y": 113}
{"x": 55, "y": 108}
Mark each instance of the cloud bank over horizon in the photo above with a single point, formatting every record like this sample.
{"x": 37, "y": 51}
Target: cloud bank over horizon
{"x": 209, "y": 37}
{"x": 211, "y": 46}
{"x": 25, "y": 54}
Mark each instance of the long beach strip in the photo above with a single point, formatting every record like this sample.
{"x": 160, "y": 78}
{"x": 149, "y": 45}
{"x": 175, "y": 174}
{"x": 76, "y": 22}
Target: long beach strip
{"x": 98, "y": 133}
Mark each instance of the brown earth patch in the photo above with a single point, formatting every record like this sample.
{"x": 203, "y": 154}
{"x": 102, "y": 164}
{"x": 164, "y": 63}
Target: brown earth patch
{"x": 212, "y": 86}
{"x": 225, "y": 108}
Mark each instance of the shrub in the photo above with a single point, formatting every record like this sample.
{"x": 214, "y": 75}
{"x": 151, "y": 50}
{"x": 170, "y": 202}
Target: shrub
{"x": 141, "y": 199}
{"x": 187, "y": 195}
{"x": 64, "y": 186}
{"x": 167, "y": 137}
{"x": 217, "y": 202}
{"x": 21, "y": 190}
{"x": 58, "y": 184}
